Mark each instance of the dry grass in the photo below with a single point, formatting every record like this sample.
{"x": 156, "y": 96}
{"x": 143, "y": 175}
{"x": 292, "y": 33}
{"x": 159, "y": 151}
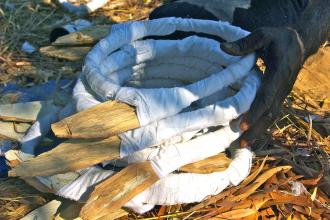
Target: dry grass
{"x": 17, "y": 199}
{"x": 33, "y": 20}
{"x": 292, "y": 140}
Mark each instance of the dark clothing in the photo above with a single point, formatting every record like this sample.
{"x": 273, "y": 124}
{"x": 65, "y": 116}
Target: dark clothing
{"x": 243, "y": 13}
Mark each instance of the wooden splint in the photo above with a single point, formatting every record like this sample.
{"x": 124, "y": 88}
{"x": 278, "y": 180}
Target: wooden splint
{"x": 101, "y": 121}
{"x": 88, "y": 36}
{"x": 13, "y": 130}
{"x": 69, "y": 156}
{"x": 116, "y": 191}
{"x": 69, "y": 53}
{"x": 23, "y": 112}
{"x": 216, "y": 163}
{"x": 76, "y": 45}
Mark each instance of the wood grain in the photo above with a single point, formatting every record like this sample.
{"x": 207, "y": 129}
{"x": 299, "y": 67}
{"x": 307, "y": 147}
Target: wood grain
{"x": 13, "y": 130}
{"x": 69, "y": 156}
{"x": 66, "y": 53}
{"x": 88, "y": 36}
{"x": 116, "y": 191}
{"x": 22, "y": 112}
{"x": 101, "y": 121}
{"x": 212, "y": 164}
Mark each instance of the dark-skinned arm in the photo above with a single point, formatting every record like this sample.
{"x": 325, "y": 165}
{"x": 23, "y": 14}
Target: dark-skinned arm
{"x": 284, "y": 50}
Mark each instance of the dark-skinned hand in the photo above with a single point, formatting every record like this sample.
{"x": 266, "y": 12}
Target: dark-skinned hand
{"x": 282, "y": 52}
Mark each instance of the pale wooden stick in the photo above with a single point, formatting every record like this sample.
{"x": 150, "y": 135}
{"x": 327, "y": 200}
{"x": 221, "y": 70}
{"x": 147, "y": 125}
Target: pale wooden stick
{"x": 69, "y": 156}
{"x": 12, "y": 130}
{"x": 88, "y": 36}
{"x": 101, "y": 121}
{"x": 116, "y": 191}
{"x": 35, "y": 183}
{"x": 209, "y": 165}
{"x": 22, "y": 112}
{"x": 67, "y": 53}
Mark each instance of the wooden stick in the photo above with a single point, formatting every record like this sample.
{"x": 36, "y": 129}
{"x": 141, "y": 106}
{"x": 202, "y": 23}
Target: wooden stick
{"x": 22, "y": 112}
{"x": 101, "y": 121}
{"x": 69, "y": 156}
{"x": 12, "y": 130}
{"x": 209, "y": 165}
{"x": 67, "y": 53}
{"x": 35, "y": 183}
{"x": 116, "y": 191}
{"x": 88, "y": 36}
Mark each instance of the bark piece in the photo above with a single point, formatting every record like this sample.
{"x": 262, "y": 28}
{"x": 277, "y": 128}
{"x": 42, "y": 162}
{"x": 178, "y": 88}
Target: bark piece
{"x": 88, "y": 36}
{"x": 22, "y": 112}
{"x": 101, "y": 121}
{"x": 12, "y": 130}
{"x": 116, "y": 191}
{"x": 71, "y": 209}
{"x": 67, "y": 53}
{"x": 44, "y": 212}
{"x": 35, "y": 183}
{"x": 212, "y": 164}
{"x": 69, "y": 156}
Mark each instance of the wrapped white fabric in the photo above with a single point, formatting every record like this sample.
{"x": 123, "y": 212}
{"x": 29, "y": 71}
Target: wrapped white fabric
{"x": 186, "y": 69}
{"x": 173, "y": 189}
{"x": 174, "y": 131}
{"x": 166, "y": 159}
{"x": 155, "y": 104}
{"x": 172, "y": 157}
{"x": 220, "y": 113}
{"x": 149, "y": 50}
{"x": 78, "y": 189}
{"x": 189, "y": 188}
{"x": 83, "y": 96}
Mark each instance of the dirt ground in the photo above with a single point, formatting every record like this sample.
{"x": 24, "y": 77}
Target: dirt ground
{"x": 32, "y": 21}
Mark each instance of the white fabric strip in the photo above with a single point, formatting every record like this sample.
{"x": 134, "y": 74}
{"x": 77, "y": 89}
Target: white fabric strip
{"x": 171, "y": 140}
{"x": 154, "y": 83}
{"x": 174, "y": 156}
{"x": 155, "y": 104}
{"x": 173, "y": 189}
{"x": 220, "y": 113}
{"x": 191, "y": 69}
{"x": 184, "y": 69}
{"x": 80, "y": 188}
{"x": 146, "y": 50}
{"x": 101, "y": 61}
{"x": 189, "y": 188}
{"x": 83, "y": 97}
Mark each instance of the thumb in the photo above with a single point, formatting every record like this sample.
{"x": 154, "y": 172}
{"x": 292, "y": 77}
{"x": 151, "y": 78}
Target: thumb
{"x": 256, "y": 40}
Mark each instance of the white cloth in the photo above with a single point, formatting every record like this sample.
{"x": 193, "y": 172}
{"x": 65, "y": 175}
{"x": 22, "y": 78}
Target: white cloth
{"x": 78, "y": 189}
{"x": 172, "y": 157}
{"x": 188, "y": 188}
{"x": 173, "y": 189}
{"x": 220, "y": 113}
{"x": 169, "y": 140}
{"x": 155, "y": 104}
